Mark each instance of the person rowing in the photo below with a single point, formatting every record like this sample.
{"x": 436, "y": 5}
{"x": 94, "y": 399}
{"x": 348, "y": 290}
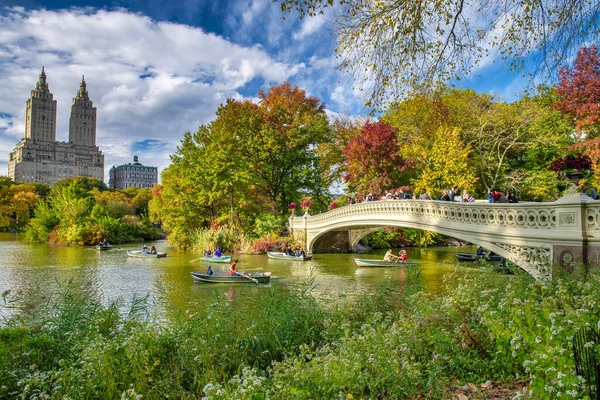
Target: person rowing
{"x": 389, "y": 256}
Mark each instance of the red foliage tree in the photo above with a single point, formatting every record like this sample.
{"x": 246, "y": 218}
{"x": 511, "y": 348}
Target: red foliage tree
{"x": 579, "y": 91}
{"x": 373, "y": 162}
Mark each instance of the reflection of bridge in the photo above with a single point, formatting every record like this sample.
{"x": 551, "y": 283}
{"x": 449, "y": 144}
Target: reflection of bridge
{"x": 532, "y": 235}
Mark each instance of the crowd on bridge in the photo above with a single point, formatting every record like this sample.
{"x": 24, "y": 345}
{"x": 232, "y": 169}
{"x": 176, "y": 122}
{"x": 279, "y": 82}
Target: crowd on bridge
{"x": 455, "y": 194}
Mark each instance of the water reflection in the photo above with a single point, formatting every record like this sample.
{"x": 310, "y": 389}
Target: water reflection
{"x": 36, "y": 271}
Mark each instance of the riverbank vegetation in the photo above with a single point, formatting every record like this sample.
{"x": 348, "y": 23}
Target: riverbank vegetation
{"x": 488, "y": 331}
{"x": 82, "y": 211}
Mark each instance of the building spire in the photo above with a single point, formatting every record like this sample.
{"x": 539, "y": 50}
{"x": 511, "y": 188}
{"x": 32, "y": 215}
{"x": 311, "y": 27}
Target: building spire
{"x": 41, "y": 84}
{"x": 82, "y": 92}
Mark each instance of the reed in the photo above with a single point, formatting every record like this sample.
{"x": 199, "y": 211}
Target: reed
{"x": 284, "y": 344}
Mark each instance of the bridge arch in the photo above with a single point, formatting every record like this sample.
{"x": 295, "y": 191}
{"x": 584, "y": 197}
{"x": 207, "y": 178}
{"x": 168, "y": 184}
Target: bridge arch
{"x": 533, "y": 263}
{"x": 532, "y": 235}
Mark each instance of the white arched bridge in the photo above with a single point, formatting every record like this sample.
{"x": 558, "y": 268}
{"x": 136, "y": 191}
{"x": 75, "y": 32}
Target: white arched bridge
{"x": 535, "y": 236}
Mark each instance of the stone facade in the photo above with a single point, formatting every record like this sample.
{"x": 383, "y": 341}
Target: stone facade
{"x": 39, "y": 157}
{"x": 136, "y": 174}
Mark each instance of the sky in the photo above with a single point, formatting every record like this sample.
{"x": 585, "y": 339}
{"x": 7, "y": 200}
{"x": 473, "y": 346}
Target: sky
{"x": 157, "y": 68}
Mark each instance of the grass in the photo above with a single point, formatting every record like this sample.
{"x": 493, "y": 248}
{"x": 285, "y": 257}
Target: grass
{"x": 284, "y": 344}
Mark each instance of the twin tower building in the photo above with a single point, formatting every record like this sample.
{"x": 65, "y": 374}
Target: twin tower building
{"x": 40, "y": 158}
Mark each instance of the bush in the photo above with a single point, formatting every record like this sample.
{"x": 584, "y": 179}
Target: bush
{"x": 267, "y": 224}
{"x": 284, "y": 344}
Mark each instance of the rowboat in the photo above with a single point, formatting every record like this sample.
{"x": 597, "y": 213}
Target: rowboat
{"x": 283, "y": 256}
{"x": 363, "y": 262}
{"x": 139, "y": 254}
{"x": 475, "y": 257}
{"x": 221, "y": 277}
{"x": 103, "y": 247}
{"x": 213, "y": 259}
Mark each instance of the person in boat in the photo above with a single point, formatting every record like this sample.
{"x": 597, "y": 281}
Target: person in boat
{"x": 481, "y": 251}
{"x": 288, "y": 251}
{"x": 218, "y": 252}
{"x": 207, "y": 253}
{"x": 403, "y": 257}
{"x": 232, "y": 268}
{"x": 209, "y": 271}
{"x": 153, "y": 250}
{"x": 104, "y": 243}
{"x": 389, "y": 256}
{"x": 300, "y": 253}
{"x": 145, "y": 249}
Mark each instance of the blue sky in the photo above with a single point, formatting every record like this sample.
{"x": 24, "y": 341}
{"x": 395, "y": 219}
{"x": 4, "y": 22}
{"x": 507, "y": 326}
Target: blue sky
{"x": 155, "y": 69}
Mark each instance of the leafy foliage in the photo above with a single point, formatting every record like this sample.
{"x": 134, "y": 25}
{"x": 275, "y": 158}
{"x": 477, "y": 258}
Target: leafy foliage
{"x": 373, "y": 161}
{"x": 78, "y": 212}
{"x": 448, "y": 164}
{"x": 394, "y": 48}
{"x": 579, "y": 91}
{"x": 251, "y": 158}
{"x": 284, "y": 344}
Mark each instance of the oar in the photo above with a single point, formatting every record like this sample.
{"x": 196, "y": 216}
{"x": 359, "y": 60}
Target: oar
{"x": 246, "y": 276}
{"x": 196, "y": 259}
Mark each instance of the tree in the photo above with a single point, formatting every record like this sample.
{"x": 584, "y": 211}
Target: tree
{"x": 281, "y": 153}
{"x": 579, "y": 92}
{"x": 373, "y": 160}
{"x": 331, "y": 153}
{"x": 448, "y": 164}
{"x": 389, "y": 46}
{"x": 508, "y": 141}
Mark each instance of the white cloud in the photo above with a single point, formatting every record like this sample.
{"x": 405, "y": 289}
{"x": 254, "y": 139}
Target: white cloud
{"x": 309, "y": 26}
{"x": 149, "y": 80}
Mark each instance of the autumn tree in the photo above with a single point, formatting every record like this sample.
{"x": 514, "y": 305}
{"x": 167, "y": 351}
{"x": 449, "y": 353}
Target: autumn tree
{"x": 579, "y": 92}
{"x": 391, "y": 45}
{"x": 282, "y": 153}
{"x": 331, "y": 153}
{"x": 373, "y": 162}
{"x": 448, "y": 164}
{"x": 251, "y": 158}
{"x": 579, "y": 98}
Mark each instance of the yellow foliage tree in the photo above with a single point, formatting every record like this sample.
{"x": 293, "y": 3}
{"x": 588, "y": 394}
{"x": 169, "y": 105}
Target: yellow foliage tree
{"x": 447, "y": 164}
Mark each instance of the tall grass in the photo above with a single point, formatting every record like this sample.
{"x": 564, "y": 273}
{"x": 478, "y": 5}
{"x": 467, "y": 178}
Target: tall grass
{"x": 283, "y": 344}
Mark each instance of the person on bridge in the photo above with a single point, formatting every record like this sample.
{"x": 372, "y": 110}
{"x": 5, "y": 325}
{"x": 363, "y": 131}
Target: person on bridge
{"x": 445, "y": 196}
{"x": 453, "y": 192}
{"x": 512, "y": 197}
{"x": 467, "y": 198}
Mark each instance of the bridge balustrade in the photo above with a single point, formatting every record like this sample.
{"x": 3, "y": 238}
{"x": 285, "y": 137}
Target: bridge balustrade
{"x": 533, "y": 235}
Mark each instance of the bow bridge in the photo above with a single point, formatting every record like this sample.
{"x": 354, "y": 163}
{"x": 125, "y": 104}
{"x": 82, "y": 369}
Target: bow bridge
{"x": 535, "y": 236}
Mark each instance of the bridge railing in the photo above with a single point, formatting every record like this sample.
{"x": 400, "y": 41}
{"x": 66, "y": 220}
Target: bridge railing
{"x": 574, "y": 213}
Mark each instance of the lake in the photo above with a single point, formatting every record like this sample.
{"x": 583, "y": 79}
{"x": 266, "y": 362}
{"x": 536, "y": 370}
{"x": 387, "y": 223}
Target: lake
{"x": 35, "y": 272}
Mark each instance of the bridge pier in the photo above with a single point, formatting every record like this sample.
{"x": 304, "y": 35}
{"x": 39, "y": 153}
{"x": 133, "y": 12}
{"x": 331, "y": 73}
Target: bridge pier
{"x": 536, "y": 236}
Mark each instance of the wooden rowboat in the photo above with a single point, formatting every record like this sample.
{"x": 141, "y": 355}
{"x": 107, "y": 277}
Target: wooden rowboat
{"x": 475, "y": 257}
{"x": 282, "y": 256}
{"x": 213, "y": 259}
{"x": 221, "y": 277}
{"x": 139, "y": 254}
{"x": 363, "y": 262}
